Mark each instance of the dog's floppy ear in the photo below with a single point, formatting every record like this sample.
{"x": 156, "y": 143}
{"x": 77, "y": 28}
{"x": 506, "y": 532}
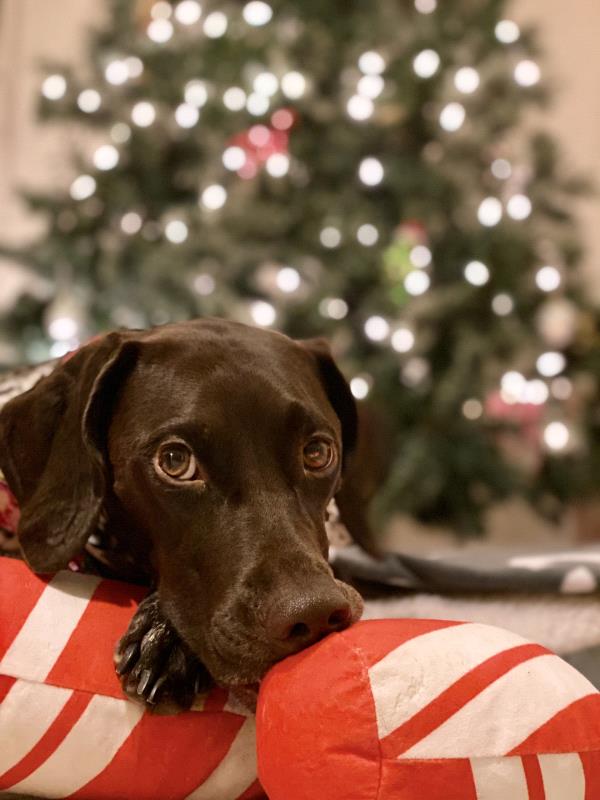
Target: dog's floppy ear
{"x": 358, "y": 486}
{"x": 52, "y": 450}
{"x": 338, "y": 393}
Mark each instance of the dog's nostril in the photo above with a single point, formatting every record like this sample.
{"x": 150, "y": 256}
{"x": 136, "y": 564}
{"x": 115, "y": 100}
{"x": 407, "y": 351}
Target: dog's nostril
{"x": 339, "y": 618}
{"x": 298, "y": 630}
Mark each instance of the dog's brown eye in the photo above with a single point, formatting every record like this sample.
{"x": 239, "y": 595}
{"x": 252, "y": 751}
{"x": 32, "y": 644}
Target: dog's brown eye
{"x": 319, "y": 454}
{"x": 177, "y": 461}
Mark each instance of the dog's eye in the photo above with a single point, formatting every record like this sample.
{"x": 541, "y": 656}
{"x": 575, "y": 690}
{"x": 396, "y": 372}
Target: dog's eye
{"x": 319, "y": 454}
{"x": 177, "y": 461}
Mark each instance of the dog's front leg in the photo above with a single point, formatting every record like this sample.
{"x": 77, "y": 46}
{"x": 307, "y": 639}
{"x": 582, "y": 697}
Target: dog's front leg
{"x": 154, "y": 665}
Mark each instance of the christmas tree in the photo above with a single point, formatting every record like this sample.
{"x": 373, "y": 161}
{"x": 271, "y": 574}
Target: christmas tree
{"x": 356, "y": 170}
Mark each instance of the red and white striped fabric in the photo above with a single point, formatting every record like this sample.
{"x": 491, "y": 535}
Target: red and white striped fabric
{"x": 428, "y": 710}
{"x": 66, "y": 729}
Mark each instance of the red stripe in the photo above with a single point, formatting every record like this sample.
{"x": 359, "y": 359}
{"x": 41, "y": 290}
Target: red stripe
{"x": 533, "y": 776}
{"x": 455, "y": 697}
{"x": 446, "y": 779}
{"x": 86, "y": 662}
{"x": 6, "y": 684}
{"x": 573, "y": 729}
{"x": 20, "y": 590}
{"x": 216, "y": 700}
{"x": 166, "y": 757}
{"x": 378, "y": 637}
{"x": 254, "y": 792}
{"x": 591, "y": 770}
{"x": 43, "y": 749}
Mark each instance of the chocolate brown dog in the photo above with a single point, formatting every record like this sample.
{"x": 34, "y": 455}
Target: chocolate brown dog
{"x": 202, "y": 456}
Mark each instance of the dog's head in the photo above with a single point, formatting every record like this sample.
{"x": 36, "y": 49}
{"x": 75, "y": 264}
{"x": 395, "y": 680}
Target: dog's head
{"x": 214, "y": 449}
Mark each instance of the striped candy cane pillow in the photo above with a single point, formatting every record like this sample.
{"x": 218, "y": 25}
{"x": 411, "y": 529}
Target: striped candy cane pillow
{"x": 428, "y": 710}
{"x": 65, "y": 728}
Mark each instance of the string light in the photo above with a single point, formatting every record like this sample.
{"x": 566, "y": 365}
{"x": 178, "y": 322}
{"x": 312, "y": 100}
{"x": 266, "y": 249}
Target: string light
{"x": 176, "y": 231}
{"x": 116, "y": 72}
{"x": 360, "y": 387}
{"x": 333, "y": 307}
{"x": 215, "y": 25}
{"x": 512, "y": 387}
{"x": 561, "y": 388}
{"x": 426, "y": 63}
{"x": 371, "y": 63}
{"x": 502, "y": 305}
{"x": 257, "y": 13}
{"x": 63, "y": 328}
{"x": 204, "y": 284}
{"x": 234, "y": 98}
{"x": 414, "y": 372}
{"x": 536, "y": 392}
{"x": 120, "y": 132}
{"x": 54, "y": 87}
{"x": 359, "y": 107}
{"x": 417, "y": 282}
{"x": 82, "y": 187}
{"x": 214, "y": 197}
{"x": 548, "y": 279}
{"x": 377, "y": 329}
{"x": 467, "y": 80}
{"x": 277, "y": 165}
{"x": 452, "y": 117}
{"x": 266, "y": 83}
{"x": 186, "y": 115}
{"x": 426, "y": 6}
{"x": 489, "y": 212}
{"x": 131, "y": 223}
{"x": 282, "y": 119}
{"x": 135, "y": 66}
{"x": 257, "y": 104}
{"x": 507, "y": 31}
{"x": 370, "y": 86}
{"x": 143, "y": 114}
{"x": 367, "y": 235}
{"x": 477, "y": 273}
{"x": 472, "y": 409}
{"x": 527, "y": 73}
{"x": 161, "y": 10}
{"x": 89, "y": 101}
{"x": 160, "y": 30}
{"x": 293, "y": 85}
{"x": 501, "y": 169}
{"x": 259, "y": 135}
{"x": 234, "y": 158}
{"x": 519, "y": 207}
{"x": 330, "y": 237}
{"x": 106, "y": 157}
{"x": 263, "y": 313}
{"x": 288, "y": 279}
{"x": 403, "y": 340}
{"x": 371, "y": 171}
{"x": 188, "y": 12}
{"x": 551, "y": 364}
{"x": 420, "y": 256}
{"x": 195, "y": 93}
{"x": 556, "y": 435}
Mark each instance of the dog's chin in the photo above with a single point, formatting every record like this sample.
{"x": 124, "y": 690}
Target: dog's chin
{"x": 229, "y": 675}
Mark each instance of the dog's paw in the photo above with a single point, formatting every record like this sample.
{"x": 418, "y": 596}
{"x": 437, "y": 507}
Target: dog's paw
{"x": 155, "y": 666}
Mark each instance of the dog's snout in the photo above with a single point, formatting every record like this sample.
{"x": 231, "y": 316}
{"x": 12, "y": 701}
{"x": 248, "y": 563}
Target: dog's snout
{"x": 299, "y": 622}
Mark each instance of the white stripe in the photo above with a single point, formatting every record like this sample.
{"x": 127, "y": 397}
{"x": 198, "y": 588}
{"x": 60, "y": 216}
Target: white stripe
{"x": 499, "y": 778}
{"x": 411, "y": 676}
{"x": 86, "y": 750}
{"x": 26, "y": 713}
{"x": 48, "y": 627}
{"x": 506, "y": 712}
{"x": 563, "y": 776}
{"x": 236, "y": 772}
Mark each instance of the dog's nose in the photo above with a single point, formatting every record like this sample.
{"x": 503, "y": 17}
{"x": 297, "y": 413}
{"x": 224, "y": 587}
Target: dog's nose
{"x": 302, "y": 620}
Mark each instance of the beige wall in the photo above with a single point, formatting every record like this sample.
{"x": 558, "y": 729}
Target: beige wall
{"x": 34, "y": 30}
